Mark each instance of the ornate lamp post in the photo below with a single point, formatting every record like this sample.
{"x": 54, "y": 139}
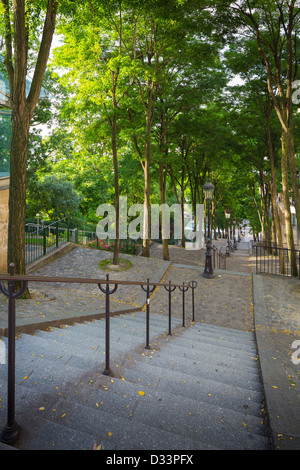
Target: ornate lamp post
{"x": 208, "y": 190}
{"x": 227, "y": 215}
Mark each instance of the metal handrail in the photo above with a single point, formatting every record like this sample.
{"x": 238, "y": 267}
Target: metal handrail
{"x": 12, "y": 430}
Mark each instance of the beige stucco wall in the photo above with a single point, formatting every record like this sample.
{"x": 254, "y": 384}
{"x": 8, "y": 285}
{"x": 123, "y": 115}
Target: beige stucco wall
{"x": 4, "y": 192}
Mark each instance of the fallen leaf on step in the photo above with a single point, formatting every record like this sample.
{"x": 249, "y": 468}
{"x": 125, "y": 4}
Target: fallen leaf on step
{"x": 97, "y": 447}
{"x": 141, "y": 393}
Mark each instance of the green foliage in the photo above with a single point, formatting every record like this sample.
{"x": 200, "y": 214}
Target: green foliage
{"x": 53, "y": 196}
{"x": 157, "y": 70}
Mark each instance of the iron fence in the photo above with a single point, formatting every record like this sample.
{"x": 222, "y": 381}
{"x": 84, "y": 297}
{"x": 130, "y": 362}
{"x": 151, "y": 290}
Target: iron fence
{"x": 276, "y": 260}
{"x": 9, "y": 284}
{"x": 41, "y": 239}
{"x": 219, "y": 259}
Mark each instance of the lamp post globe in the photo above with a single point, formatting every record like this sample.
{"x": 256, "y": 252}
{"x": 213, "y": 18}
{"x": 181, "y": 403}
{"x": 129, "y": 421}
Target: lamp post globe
{"x": 208, "y": 189}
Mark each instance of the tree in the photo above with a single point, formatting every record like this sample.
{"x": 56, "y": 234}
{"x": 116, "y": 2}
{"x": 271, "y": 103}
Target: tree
{"x": 136, "y": 60}
{"x": 20, "y": 26}
{"x": 54, "y": 196}
{"x": 275, "y": 25}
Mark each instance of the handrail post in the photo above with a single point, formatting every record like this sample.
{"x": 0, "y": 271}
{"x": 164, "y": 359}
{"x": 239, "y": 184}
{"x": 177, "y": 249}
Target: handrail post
{"x": 193, "y": 285}
{"x": 107, "y": 292}
{"x": 170, "y": 290}
{"x": 148, "y": 317}
{"x": 183, "y": 289}
{"x": 148, "y": 292}
{"x": 12, "y": 430}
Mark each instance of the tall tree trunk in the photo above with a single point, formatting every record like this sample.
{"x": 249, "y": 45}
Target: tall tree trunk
{"x": 22, "y": 111}
{"x": 162, "y": 188}
{"x": 147, "y": 207}
{"x": 275, "y": 214}
{"x": 283, "y": 102}
{"x": 182, "y": 208}
{"x": 117, "y": 191}
{"x": 293, "y": 174}
{"x": 291, "y": 58}
{"x": 181, "y": 201}
{"x": 162, "y": 191}
{"x": 286, "y": 205}
{"x": 17, "y": 191}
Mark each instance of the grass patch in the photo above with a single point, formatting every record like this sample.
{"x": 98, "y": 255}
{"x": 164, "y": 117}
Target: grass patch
{"x": 107, "y": 265}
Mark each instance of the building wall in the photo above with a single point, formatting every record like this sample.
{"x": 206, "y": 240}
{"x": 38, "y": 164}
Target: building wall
{"x": 4, "y": 192}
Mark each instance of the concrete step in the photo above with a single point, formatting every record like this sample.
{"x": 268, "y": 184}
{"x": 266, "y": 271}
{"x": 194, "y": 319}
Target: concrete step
{"x": 56, "y": 423}
{"x": 103, "y": 389}
{"x": 235, "y": 397}
{"x": 214, "y": 371}
{"x": 204, "y": 354}
{"x": 192, "y": 390}
{"x": 242, "y": 343}
{"x": 212, "y": 426}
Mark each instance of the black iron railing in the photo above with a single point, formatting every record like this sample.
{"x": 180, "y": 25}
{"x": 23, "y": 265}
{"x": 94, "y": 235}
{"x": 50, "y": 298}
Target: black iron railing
{"x": 11, "y": 431}
{"x": 276, "y": 260}
{"x": 41, "y": 239}
{"x": 219, "y": 259}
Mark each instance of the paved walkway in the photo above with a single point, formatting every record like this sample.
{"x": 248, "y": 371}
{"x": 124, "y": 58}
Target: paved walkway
{"x": 69, "y": 302}
{"x": 235, "y": 298}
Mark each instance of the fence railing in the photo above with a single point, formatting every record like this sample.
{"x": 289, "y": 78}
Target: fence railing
{"x": 219, "y": 259}
{"x": 41, "y": 239}
{"x": 276, "y": 260}
{"x": 12, "y": 430}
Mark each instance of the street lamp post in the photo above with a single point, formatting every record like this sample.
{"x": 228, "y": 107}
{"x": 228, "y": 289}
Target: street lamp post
{"x": 227, "y": 215}
{"x": 234, "y": 238}
{"x": 208, "y": 190}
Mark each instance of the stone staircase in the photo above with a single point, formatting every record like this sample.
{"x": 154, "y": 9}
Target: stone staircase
{"x": 197, "y": 389}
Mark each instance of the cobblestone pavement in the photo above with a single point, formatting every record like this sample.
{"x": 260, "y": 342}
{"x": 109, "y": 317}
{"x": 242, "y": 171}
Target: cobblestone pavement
{"x": 54, "y": 302}
{"x": 225, "y": 300}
